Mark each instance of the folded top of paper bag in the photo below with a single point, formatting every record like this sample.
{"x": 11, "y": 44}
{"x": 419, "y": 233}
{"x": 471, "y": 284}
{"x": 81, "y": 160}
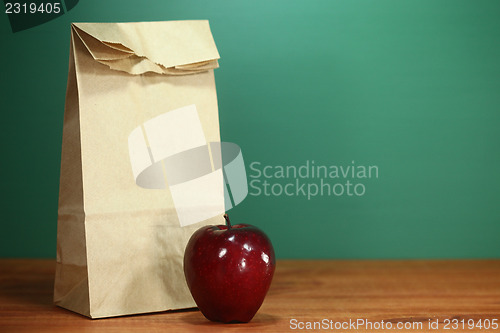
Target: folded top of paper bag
{"x": 172, "y": 47}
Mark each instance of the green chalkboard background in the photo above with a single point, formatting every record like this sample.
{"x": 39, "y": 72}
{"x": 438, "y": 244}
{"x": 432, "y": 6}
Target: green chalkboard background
{"x": 412, "y": 87}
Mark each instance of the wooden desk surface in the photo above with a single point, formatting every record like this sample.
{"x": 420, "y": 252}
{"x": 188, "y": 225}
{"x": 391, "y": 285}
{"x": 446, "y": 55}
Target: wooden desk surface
{"x": 412, "y": 293}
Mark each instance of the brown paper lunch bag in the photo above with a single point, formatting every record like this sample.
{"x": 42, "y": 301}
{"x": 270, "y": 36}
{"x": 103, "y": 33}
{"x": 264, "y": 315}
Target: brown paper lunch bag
{"x": 137, "y": 168}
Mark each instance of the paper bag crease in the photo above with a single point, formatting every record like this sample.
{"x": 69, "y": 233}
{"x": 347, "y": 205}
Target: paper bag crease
{"x": 174, "y": 48}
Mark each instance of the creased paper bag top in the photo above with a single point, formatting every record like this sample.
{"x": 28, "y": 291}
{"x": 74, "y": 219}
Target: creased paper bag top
{"x": 173, "y": 48}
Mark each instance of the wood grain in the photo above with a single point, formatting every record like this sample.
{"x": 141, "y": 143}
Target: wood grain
{"x": 333, "y": 292}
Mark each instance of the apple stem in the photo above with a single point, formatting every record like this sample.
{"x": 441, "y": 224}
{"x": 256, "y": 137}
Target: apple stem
{"x": 228, "y": 223}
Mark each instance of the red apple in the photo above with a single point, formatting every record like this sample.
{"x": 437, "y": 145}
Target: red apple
{"x": 229, "y": 270}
